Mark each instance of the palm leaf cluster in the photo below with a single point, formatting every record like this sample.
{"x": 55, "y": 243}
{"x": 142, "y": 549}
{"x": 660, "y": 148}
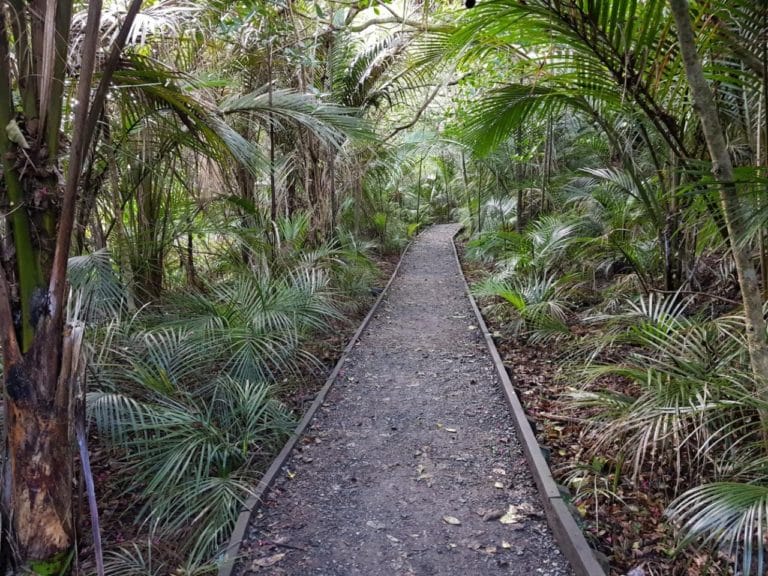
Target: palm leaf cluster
{"x": 189, "y": 402}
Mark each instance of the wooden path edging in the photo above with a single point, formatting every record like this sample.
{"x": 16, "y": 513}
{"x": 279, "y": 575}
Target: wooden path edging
{"x": 567, "y": 533}
{"x": 232, "y": 550}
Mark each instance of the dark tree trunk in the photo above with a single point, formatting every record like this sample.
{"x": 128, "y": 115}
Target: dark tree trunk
{"x": 38, "y": 470}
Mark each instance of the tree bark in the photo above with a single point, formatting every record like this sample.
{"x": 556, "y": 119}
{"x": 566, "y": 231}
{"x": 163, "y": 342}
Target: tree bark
{"x": 733, "y": 208}
{"x": 38, "y": 482}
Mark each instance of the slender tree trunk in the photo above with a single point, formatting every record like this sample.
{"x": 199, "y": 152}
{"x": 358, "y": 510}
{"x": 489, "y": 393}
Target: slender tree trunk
{"x": 272, "y": 186}
{"x": 332, "y": 177}
{"x": 448, "y": 197}
{"x": 479, "y": 201}
{"x": 331, "y": 150}
{"x": 520, "y": 208}
{"x": 547, "y": 168}
{"x": 733, "y": 208}
{"x": 671, "y": 234}
{"x": 418, "y": 193}
{"x": 465, "y": 179}
{"x": 762, "y": 154}
{"x": 191, "y": 276}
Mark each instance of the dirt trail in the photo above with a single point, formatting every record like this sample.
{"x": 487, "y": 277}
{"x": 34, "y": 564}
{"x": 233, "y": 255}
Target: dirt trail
{"x": 414, "y": 436}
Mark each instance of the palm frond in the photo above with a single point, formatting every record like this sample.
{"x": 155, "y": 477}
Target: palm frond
{"x": 95, "y": 285}
{"x": 730, "y": 516}
{"x": 330, "y": 122}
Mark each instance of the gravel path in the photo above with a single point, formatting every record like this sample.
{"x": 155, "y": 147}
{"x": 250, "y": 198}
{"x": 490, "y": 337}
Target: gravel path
{"x": 412, "y": 464}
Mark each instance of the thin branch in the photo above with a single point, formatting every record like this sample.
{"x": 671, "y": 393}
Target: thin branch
{"x": 394, "y": 20}
{"x": 422, "y": 108}
{"x": 77, "y": 152}
{"x": 109, "y": 69}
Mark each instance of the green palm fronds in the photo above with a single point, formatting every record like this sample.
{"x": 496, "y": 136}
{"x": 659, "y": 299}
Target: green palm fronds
{"x": 195, "y": 454}
{"x": 537, "y": 299}
{"x": 729, "y": 516}
{"x": 330, "y": 122}
{"x": 97, "y": 291}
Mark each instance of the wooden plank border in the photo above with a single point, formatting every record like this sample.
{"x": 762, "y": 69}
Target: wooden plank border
{"x": 230, "y": 553}
{"x": 567, "y": 533}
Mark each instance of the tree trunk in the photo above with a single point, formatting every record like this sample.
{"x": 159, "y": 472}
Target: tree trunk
{"x": 520, "y": 207}
{"x": 37, "y": 350}
{"x": 38, "y": 471}
{"x": 733, "y": 208}
{"x": 272, "y": 185}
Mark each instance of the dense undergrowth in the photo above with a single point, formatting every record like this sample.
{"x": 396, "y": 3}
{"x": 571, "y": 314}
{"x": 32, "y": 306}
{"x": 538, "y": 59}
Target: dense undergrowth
{"x": 647, "y": 394}
{"x": 188, "y": 395}
{"x": 620, "y": 447}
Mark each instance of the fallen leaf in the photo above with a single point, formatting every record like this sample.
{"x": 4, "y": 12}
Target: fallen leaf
{"x": 512, "y": 516}
{"x": 527, "y": 509}
{"x": 451, "y": 520}
{"x": 290, "y": 474}
{"x": 423, "y": 474}
{"x": 268, "y": 561}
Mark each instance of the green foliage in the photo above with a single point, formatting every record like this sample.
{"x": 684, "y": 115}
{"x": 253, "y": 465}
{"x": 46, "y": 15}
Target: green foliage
{"x": 537, "y": 299}
{"x": 563, "y": 141}
{"x": 329, "y": 122}
{"x": 195, "y": 454}
{"x": 187, "y": 404}
{"x": 728, "y": 516}
{"x": 694, "y": 397}
{"x": 183, "y": 392}
{"x": 583, "y": 104}
{"x": 97, "y": 293}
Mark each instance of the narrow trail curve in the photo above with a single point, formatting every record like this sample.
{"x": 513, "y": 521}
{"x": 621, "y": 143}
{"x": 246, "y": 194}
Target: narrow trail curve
{"x": 414, "y": 430}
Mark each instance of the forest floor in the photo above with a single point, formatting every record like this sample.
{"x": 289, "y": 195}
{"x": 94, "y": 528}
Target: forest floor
{"x": 412, "y": 465}
{"x": 621, "y": 516}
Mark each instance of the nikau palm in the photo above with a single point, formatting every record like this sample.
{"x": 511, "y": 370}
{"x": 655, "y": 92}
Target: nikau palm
{"x": 39, "y": 355}
{"x": 616, "y": 65}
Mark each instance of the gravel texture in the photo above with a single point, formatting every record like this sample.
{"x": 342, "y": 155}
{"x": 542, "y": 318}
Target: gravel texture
{"x": 412, "y": 466}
